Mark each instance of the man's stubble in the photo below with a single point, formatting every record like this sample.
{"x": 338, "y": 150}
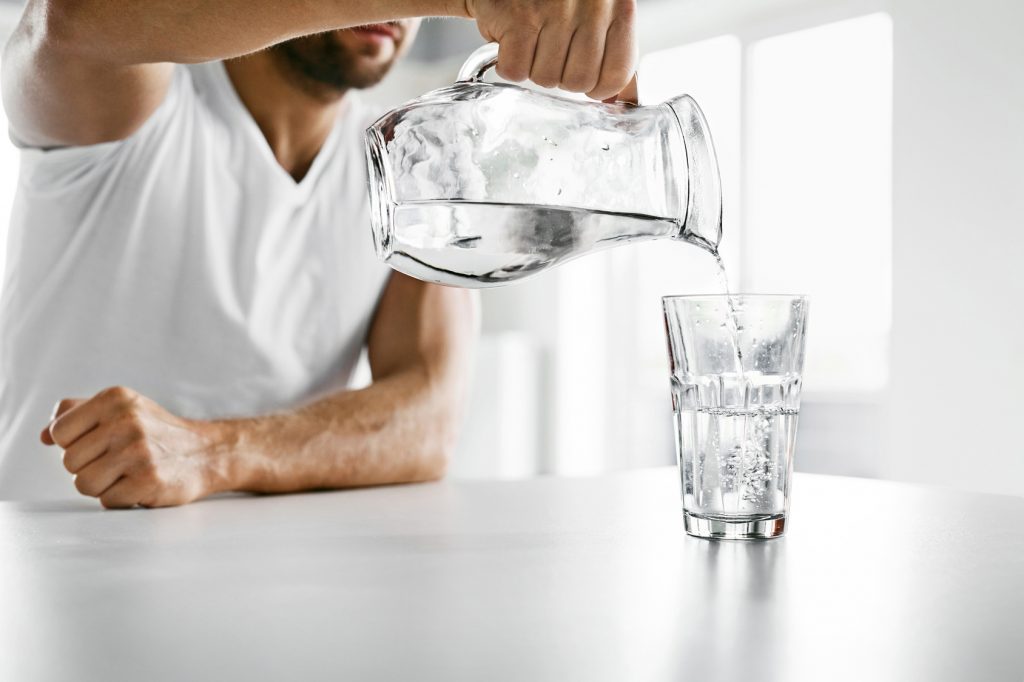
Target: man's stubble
{"x": 324, "y": 68}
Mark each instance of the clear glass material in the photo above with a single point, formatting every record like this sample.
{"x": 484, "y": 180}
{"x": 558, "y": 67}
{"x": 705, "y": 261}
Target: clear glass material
{"x": 736, "y": 365}
{"x": 481, "y": 184}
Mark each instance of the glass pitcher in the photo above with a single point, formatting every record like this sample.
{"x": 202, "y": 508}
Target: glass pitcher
{"x": 481, "y": 184}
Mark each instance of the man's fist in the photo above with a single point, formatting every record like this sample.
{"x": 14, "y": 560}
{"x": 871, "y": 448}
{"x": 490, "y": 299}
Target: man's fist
{"x": 126, "y": 450}
{"x": 578, "y": 45}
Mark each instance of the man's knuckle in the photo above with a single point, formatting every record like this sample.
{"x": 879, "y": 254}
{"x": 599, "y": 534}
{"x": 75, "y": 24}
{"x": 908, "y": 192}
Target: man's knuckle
{"x": 114, "y": 392}
{"x": 129, "y": 425}
{"x": 624, "y": 11}
{"x": 512, "y": 71}
{"x": 579, "y": 83}
{"x": 525, "y": 30}
{"x": 544, "y": 77}
{"x": 120, "y": 396}
{"x": 84, "y": 485}
{"x": 145, "y": 469}
{"x": 138, "y": 451}
{"x": 70, "y": 461}
{"x": 113, "y": 502}
{"x": 58, "y": 436}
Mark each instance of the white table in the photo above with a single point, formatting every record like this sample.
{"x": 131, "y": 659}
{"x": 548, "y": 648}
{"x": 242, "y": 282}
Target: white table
{"x": 547, "y": 579}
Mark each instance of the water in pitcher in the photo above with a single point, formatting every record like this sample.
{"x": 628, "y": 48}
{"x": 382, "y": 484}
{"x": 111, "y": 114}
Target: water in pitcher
{"x": 474, "y": 243}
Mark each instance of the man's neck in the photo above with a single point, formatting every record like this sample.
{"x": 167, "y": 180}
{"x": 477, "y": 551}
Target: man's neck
{"x": 295, "y": 120}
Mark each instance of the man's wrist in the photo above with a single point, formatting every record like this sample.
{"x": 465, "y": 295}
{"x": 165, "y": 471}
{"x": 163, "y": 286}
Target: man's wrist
{"x": 227, "y": 468}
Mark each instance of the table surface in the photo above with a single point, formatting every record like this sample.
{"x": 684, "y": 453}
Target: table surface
{"x": 543, "y": 579}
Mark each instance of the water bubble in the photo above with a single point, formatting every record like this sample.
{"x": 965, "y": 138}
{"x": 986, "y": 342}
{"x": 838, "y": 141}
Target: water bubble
{"x": 515, "y": 175}
{"x": 605, "y": 147}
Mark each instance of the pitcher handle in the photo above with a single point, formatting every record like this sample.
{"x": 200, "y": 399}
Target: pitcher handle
{"x": 482, "y": 60}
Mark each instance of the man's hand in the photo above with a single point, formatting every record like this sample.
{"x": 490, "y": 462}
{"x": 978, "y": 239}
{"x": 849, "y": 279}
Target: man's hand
{"x": 126, "y": 450}
{"x": 578, "y": 45}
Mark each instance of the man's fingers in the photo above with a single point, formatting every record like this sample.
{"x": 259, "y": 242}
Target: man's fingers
{"x": 583, "y": 64}
{"x": 124, "y": 494}
{"x": 630, "y": 94}
{"x": 59, "y": 409}
{"x": 85, "y": 415}
{"x": 549, "y": 59}
{"x": 69, "y": 424}
{"x": 618, "y": 68}
{"x": 515, "y": 54}
{"x": 86, "y": 449}
{"x": 561, "y": 42}
{"x": 66, "y": 405}
{"x": 96, "y": 476}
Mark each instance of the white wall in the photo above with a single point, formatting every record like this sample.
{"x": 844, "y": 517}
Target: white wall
{"x": 958, "y": 316}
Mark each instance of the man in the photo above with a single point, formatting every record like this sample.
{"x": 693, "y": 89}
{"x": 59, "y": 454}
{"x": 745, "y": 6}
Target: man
{"x": 196, "y": 238}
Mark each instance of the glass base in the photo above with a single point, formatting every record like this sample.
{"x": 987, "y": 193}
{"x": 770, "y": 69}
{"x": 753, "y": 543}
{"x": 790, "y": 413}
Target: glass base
{"x": 756, "y": 528}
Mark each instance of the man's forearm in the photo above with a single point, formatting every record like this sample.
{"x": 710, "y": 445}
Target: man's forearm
{"x": 148, "y": 31}
{"x": 400, "y": 429}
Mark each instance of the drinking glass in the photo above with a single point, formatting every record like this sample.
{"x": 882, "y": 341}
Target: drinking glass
{"x": 736, "y": 364}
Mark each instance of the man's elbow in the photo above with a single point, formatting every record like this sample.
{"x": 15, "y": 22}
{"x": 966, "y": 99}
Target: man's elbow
{"x": 65, "y": 27}
{"x": 438, "y": 452}
{"x": 91, "y": 30}
{"x": 436, "y": 459}
{"x": 434, "y": 466}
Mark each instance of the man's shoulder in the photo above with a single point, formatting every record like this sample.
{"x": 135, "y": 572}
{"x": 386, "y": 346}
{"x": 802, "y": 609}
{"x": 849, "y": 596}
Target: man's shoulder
{"x": 64, "y": 168}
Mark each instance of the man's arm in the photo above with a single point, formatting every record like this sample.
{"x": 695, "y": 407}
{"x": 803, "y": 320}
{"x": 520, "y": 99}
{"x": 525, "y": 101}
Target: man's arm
{"x": 125, "y": 449}
{"x": 79, "y": 72}
{"x": 401, "y": 428}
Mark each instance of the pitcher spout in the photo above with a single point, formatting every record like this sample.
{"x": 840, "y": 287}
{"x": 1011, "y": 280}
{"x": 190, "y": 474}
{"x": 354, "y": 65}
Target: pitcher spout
{"x": 702, "y": 224}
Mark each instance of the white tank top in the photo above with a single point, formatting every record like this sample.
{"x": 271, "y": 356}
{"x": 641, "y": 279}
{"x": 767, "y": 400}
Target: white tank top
{"x": 184, "y": 263}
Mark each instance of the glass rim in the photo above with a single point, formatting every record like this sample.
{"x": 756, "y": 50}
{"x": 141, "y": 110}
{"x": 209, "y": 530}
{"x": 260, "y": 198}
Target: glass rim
{"x": 693, "y": 297}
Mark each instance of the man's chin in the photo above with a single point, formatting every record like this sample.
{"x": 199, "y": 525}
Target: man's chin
{"x": 339, "y": 61}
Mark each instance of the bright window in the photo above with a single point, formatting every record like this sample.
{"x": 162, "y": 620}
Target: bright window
{"x": 818, "y": 209}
